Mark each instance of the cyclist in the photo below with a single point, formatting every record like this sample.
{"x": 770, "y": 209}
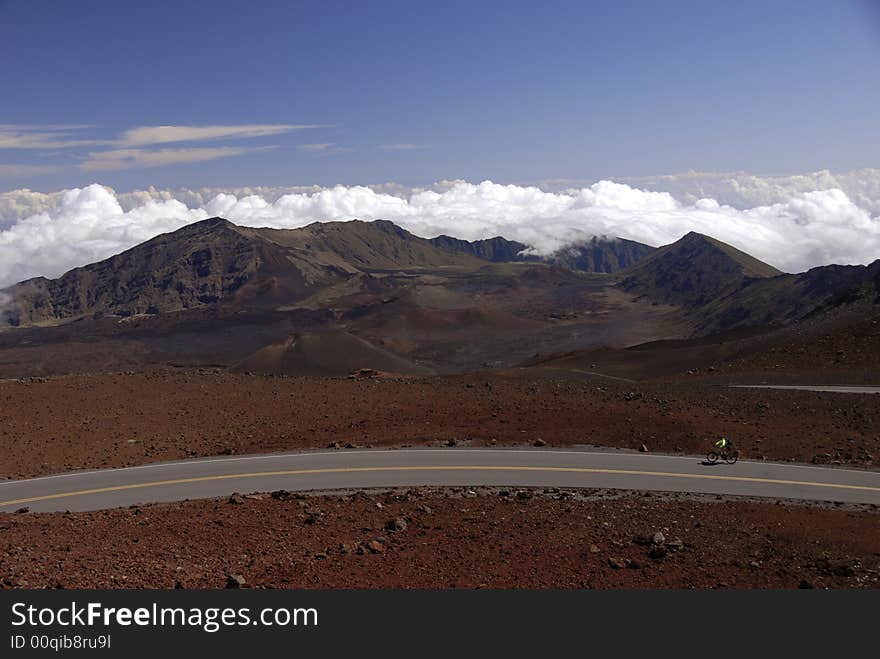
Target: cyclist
{"x": 724, "y": 445}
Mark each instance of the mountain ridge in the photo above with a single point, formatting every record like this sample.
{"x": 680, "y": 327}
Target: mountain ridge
{"x": 214, "y": 261}
{"x": 373, "y": 275}
{"x": 720, "y": 287}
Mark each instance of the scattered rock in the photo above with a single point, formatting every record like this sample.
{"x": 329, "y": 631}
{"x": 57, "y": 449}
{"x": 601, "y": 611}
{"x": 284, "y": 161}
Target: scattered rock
{"x": 397, "y": 524}
{"x": 365, "y": 373}
{"x": 375, "y": 547}
{"x": 643, "y": 448}
{"x": 235, "y": 499}
{"x": 451, "y": 442}
{"x": 540, "y": 442}
{"x": 234, "y": 581}
{"x": 594, "y": 549}
{"x": 22, "y": 510}
{"x": 616, "y": 563}
{"x": 281, "y": 495}
{"x": 658, "y": 552}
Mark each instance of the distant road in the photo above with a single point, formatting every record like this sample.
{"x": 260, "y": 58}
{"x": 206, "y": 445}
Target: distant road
{"x": 810, "y": 387}
{"x": 347, "y": 469}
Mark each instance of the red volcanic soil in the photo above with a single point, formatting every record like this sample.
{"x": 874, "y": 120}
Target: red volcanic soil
{"x": 846, "y": 351}
{"x": 446, "y": 539}
{"x": 77, "y": 422}
{"x": 324, "y": 354}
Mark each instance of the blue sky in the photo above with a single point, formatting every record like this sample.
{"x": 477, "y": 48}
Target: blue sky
{"x": 415, "y": 92}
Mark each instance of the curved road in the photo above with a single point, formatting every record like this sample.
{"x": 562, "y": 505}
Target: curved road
{"x": 214, "y": 477}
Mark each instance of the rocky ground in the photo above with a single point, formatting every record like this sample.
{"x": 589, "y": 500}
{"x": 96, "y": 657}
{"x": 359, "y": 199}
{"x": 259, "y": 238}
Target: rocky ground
{"x": 845, "y": 350}
{"x": 452, "y": 538}
{"x": 75, "y": 422}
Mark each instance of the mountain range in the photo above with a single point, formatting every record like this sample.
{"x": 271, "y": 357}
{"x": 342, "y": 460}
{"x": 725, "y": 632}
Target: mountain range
{"x": 293, "y": 300}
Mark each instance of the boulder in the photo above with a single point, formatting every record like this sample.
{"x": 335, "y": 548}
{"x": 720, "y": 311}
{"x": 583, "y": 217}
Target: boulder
{"x": 234, "y": 581}
{"x": 658, "y": 552}
{"x": 396, "y": 524}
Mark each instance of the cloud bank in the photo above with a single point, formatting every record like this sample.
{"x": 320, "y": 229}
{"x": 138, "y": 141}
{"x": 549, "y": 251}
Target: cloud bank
{"x": 743, "y": 190}
{"x": 47, "y": 234}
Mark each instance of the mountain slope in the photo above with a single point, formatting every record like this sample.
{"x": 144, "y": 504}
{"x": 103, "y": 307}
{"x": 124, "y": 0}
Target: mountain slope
{"x": 721, "y": 288}
{"x": 602, "y": 255}
{"x": 197, "y": 265}
{"x": 215, "y": 262}
{"x": 595, "y": 255}
{"x": 357, "y": 246}
{"x": 496, "y": 249}
{"x": 325, "y": 354}
{"x": 693, "y": 271}
{"x": 787, "y": 298}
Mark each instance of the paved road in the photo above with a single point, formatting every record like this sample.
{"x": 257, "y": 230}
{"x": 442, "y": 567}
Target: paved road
{"x": 837, "y": 389}
{"x": 212, "y": 477}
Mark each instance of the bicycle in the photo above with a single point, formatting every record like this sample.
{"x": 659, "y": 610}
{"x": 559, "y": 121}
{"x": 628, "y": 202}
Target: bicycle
{"x": 730, "y": 457}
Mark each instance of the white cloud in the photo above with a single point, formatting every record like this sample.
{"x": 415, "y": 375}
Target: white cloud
{"x": 401, "y": 147}
{"x": 145, "y": 135}
{"x": 28, "y": 136}
{"x": 46, "y": 234}
{"x": 114, "y": 160}
{"x": 129, "y": 152}
{"x": 82, "y": 226}
{"x": 742, "y": 190}
{"x": 324, "y": 146}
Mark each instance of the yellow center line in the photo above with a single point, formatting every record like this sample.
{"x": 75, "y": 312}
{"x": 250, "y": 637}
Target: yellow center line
{"x": 348, "y": 470}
